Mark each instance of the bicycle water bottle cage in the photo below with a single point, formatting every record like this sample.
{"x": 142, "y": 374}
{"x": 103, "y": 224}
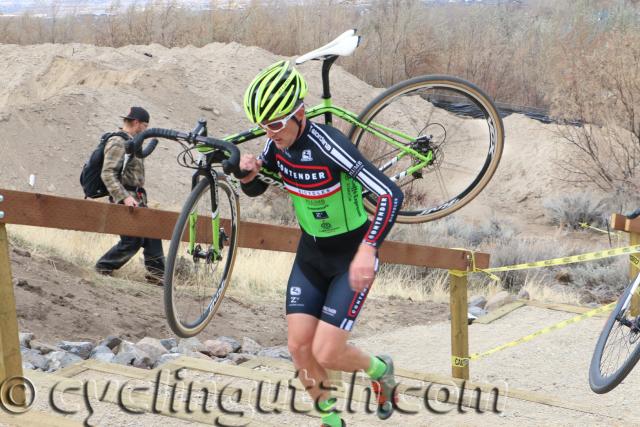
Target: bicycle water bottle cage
{"x": 343, "y": 45}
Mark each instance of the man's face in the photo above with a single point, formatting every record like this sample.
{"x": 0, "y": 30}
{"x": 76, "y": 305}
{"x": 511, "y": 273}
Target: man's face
{"x": 134, "y": 127}
{"x": 285, "y": 137}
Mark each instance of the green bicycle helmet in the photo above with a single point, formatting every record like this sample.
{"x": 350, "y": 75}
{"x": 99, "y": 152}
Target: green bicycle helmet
{"x": 274, "y": 92}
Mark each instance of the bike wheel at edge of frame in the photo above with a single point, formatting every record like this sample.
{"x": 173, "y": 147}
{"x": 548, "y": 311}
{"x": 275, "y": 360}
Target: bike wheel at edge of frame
{"x": 456, "y": 176}
{"x": 199, "y": 287}
{"x": 599, "y": 382}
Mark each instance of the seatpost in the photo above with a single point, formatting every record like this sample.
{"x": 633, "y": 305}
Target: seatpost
{"x": 326, "y": 90}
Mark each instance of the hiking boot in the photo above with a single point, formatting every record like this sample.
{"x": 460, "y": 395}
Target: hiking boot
{"x": 385, "y": 389}
{"x": 104, "y": 271}
{"x": 154, "y": 279}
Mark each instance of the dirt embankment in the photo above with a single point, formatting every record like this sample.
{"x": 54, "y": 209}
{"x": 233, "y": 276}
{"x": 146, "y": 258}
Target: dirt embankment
{"x": 56, "y": 100}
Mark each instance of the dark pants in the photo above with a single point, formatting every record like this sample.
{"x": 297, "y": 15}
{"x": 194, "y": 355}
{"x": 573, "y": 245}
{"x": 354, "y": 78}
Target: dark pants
{"x": 126, "y": 248}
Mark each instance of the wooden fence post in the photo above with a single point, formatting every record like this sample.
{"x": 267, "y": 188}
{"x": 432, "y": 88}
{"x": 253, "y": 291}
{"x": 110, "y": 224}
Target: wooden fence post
{"x": 634, "y": 239}
{"x": 459, "y": 325}
{"x": 10, "y": 357}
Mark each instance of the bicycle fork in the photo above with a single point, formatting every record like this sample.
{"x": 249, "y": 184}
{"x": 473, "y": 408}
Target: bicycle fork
{"x": 218, "y": 235}
{"x": 634, "y": 323}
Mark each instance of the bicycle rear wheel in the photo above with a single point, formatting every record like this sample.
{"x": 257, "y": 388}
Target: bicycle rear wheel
{"x": 196, "y": 280}
{"x": 617, "y": 350}
{"x": 452, "y": 124}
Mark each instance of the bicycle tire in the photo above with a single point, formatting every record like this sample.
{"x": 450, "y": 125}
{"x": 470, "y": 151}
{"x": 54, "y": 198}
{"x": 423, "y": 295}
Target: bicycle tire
{"x": 437, "y": 95}
{"x": 195, "y": 280}
{"x": 599, "y": 381}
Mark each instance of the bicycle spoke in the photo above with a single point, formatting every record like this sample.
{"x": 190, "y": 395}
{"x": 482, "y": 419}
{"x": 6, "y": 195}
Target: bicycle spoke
{"x": 443, "y": 187}
{"x": 199, "y": 275}
{"x": 450, "y": 127}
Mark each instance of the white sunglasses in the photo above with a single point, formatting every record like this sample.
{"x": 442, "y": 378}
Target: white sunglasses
{"x": 277, "y": 125}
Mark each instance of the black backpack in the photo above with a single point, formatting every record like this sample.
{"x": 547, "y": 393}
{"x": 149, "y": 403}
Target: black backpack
{"x": 90, "y": 179}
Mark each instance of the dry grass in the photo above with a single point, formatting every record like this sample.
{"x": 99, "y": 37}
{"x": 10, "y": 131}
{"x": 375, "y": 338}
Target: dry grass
{"x": 80, "y": 248}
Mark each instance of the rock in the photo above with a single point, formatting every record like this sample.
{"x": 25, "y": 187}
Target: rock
{"x": 152, "y": 346}
{"x": 226, "y": 361}
{"x": 79, "y": 348}
{"x": 523, "y": 294}
{"x": 25, "y": 339}
{"x": 165, "y": 358}
{"x": 235, "y": 344}
{"x": 22, "y": 252}
{"x": 34, "y": 358}
{"x": 111, "y": 341}
{"x": 124, "y": 358}
{"x": 43, "y": 347}
{"x": 217, "y": 348}
{"x": 279, "y": 352}
{"x": 126, "y": 347}
{"x": 477, "y": 311}
{"x": 197, "y": 355}
{"x": 102, "y": 353}
{"x": 498, "y": 300}
{"x": 250, "y": 346}
{"x": 169, "y": 343}
{"x": 561, "y": 289}
{"x": 478, "y": 301}
{"x": 26, "y": 366}
{"x": 174, "y": 350}
{"x": 143, "y": 361}
{"x": 190, "y": 344}
{"x": 239, "y": 358}
{"x": 61, "y": 359}
{"x": 130, "y": 354}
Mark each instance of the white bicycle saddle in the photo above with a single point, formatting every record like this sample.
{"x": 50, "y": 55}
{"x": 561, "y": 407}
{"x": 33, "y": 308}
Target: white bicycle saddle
{"x": 343, "y": 45}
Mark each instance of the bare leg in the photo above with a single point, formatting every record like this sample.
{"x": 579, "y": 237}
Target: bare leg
{"x": 331, "y": 351}
{"x": 301, "y": 332}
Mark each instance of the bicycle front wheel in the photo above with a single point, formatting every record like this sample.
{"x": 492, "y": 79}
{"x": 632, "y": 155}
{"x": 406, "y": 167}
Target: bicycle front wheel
{"x": 201, "y": 256}
{"x": 617, "y": 350}
{"x": 445, "y": 142}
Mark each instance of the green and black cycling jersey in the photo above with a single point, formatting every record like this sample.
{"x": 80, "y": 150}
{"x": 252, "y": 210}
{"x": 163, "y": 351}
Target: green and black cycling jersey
{"x": 324, "y": 174}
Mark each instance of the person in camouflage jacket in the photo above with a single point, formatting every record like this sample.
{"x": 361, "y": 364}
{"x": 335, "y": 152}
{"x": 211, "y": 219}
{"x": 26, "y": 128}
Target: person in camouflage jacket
{"x": 127, "y": 187}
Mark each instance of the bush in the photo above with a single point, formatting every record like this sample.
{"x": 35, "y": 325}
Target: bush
{"x": 573, "y": 209}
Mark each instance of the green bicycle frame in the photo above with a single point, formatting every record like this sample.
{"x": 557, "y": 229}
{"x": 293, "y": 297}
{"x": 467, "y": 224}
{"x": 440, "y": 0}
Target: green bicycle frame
{"x": 373, "y": 128}
{"x": 215, "y": 231}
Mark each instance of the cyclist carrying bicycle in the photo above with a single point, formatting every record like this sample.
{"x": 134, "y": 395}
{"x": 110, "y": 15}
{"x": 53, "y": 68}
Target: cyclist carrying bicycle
{"x": 336, "y": 259}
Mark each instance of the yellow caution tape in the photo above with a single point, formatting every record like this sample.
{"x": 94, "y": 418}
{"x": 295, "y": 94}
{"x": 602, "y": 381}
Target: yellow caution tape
{"x": 461, "y": 362}
{"x": 587, "y": 225}
{"x": 565, "y": 260}
{"x": 458, "y": 361}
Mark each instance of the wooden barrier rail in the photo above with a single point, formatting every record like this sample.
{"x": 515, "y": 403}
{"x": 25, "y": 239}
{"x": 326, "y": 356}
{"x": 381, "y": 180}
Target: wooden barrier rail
{"x": 632, "y": 226}
{"x": 41, "y": 210}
